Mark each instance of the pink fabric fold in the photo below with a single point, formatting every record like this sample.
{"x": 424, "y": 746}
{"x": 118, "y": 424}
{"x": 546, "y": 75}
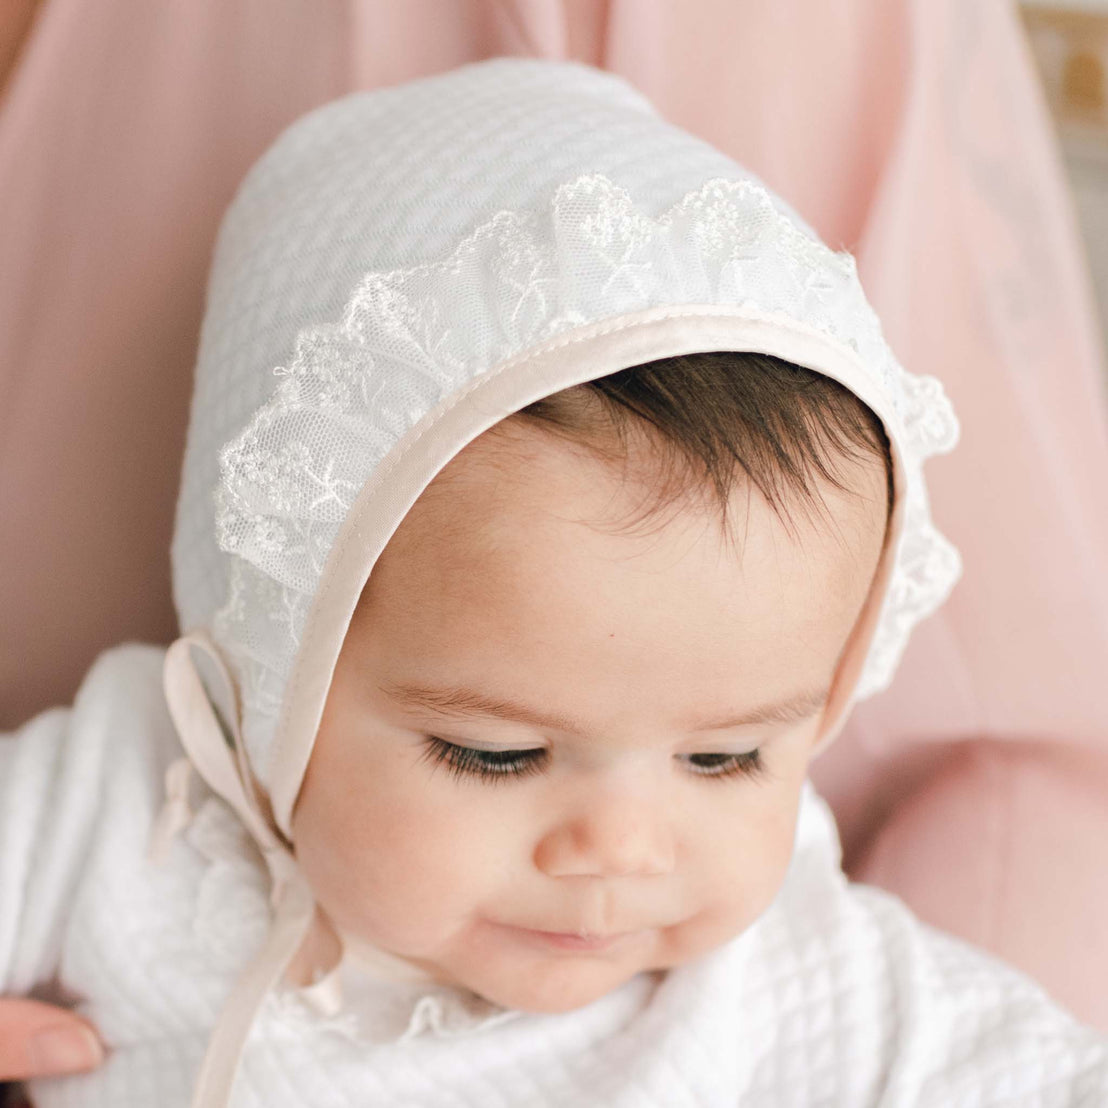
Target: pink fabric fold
{"x": 910, "y": 131}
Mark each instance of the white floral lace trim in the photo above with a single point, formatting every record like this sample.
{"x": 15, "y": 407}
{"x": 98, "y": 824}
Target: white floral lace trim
{"x": 410, "y": 336}
{"x": 392, "y": 1013}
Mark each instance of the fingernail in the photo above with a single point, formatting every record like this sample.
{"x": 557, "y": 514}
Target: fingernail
{"x": 65, "y": 1050}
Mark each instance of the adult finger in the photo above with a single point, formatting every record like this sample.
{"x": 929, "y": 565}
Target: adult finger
{"x": 37, "y": 1039}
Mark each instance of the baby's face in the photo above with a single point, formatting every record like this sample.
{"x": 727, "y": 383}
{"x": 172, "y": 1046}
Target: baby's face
{"x": 538, "y": 728}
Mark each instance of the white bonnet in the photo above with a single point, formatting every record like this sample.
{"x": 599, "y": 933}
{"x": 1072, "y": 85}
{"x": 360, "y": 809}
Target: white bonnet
{"x": 405, "y": 267}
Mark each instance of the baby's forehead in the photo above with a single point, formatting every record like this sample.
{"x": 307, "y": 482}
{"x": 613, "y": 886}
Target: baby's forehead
{"x": 533, "y": 596}
{"x": 521, "y": 503}
{"x": 633, "y": 486}
{"x": 513, "y": 473}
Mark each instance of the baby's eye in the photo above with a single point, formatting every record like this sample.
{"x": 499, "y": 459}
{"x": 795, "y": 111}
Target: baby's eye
{"x": 502, "y": 765}
{"x": 748, "y": 764}
{"x": 490, "y": 765}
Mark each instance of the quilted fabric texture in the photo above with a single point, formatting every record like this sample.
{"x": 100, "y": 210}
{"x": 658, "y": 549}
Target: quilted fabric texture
{"x": 837, "y": 996}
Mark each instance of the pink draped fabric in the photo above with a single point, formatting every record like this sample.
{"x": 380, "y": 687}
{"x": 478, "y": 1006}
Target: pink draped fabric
{"x": 910, "y": 131}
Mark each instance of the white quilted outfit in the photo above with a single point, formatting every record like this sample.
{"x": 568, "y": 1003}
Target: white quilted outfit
{"x": 401, "y": 270}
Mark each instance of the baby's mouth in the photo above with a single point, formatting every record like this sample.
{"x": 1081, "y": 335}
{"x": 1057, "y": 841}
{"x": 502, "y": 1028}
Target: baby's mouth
{"x": 581, "y": 941}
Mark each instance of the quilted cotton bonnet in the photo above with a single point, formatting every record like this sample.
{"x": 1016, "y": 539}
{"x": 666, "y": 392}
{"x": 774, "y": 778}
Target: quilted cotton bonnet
{"x": 405, "y": 267}
{"x": 400, "y": 271}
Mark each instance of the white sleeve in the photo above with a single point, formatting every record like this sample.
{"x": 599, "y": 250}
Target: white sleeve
{"x": 52, "y": 789}
{"x": 32, "y": 811}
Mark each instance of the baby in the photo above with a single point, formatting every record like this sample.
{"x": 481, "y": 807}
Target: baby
{"x": 550, "y": 496}
{"x": 565, "y": 743}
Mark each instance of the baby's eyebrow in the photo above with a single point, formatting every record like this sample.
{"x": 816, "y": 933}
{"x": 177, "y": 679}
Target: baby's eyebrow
{"x": 461, "y": 703}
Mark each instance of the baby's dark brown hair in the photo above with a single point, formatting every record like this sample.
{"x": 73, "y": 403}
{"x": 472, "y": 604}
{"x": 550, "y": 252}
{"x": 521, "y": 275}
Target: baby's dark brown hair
{"x": 717, "y": 414}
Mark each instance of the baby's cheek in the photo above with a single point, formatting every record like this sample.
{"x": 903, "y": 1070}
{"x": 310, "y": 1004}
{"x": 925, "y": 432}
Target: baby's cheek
{"x": 404, "y": 869}
{"x": 743, "y": 873}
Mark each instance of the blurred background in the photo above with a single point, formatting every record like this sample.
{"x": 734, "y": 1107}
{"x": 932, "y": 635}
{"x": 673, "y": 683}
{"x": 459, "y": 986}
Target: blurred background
{"x": 1069, "y": 41}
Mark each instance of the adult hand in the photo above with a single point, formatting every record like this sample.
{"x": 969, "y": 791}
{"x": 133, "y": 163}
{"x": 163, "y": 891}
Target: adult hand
{"x": 37, "y": 1040}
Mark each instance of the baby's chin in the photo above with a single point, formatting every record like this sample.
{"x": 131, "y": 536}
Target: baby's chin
{"x": 558, "y": 985}
{"x": 522, "y": 975}
{"x": 522, "y": 971}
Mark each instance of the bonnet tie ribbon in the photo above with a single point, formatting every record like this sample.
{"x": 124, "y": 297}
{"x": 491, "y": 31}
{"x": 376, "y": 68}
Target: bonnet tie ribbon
{"x": 221, "y": 762}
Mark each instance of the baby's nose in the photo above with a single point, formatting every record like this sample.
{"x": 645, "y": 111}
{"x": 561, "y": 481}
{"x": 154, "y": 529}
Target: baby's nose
{"x": 614, "y": 836}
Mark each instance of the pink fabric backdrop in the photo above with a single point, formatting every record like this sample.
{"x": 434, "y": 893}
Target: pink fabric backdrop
{"x": 910, "y": 131}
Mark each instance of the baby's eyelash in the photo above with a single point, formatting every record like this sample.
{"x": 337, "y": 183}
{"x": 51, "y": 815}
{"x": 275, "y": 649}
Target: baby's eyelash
{"x": 490, "y": 765}
{"x": 748, "y": 764}
{"x": 500, "y": 766}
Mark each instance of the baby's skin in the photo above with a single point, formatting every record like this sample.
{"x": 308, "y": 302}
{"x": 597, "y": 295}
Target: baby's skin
{"x": 559, "y": 751}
